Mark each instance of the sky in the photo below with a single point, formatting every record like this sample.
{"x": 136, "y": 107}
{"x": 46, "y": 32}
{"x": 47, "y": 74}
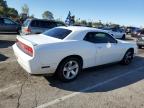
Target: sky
{"x": 123, "y": 12}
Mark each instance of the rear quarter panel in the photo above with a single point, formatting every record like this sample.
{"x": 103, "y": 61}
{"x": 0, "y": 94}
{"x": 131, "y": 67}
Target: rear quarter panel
{"x": 53, "y": 54}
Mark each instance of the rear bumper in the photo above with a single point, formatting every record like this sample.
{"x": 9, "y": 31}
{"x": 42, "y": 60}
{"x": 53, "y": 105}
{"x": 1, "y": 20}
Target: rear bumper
{"x": 30, "y": 64}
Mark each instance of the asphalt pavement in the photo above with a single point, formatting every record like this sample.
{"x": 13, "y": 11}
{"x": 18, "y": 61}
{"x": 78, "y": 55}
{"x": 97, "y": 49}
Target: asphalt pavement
{"x": 108, "y": 86}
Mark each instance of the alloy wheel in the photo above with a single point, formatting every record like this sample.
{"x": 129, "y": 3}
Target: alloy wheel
{"x": 70, "y": 69}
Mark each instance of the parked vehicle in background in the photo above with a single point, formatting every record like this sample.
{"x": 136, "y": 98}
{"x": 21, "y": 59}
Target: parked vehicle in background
{"x": 116, "y": 32}
{"x": 65, "y": 51}
{"x": 37, "y": 26}
{"x": 140, "y": 39}
{"x": 7, "y": 25}
{"x": 136, "y": 33}
{"x": 130, "y": 30}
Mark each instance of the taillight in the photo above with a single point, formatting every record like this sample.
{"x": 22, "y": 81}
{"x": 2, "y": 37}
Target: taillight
{"x": 27, "y": 30}
{"x": 25, "y": 48}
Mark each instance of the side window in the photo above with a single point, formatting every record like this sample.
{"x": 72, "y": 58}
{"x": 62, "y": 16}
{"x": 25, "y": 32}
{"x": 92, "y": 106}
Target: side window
{"x": 52, "y": 24}
{"x": 35, "y": 23}
{"x": 90, "y": 37}
{"x": 99, "y": 37}
{"x": 43, "y": 24}
{"x": 48, "y": 24}
{"x": 8, "y": 22}
{"x": 110, "y": 38}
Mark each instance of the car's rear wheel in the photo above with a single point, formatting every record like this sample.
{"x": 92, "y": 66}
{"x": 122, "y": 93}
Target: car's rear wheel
{"x": 128, "y": 57}
{"x": 69, "y": 69}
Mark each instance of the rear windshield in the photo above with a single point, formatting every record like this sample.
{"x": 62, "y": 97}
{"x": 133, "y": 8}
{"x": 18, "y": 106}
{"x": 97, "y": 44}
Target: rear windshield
{"x": 26, "y": 23}
{"x": 59, "y": 33}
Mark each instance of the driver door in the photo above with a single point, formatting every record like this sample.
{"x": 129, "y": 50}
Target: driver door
{"x": 107, "y": 48}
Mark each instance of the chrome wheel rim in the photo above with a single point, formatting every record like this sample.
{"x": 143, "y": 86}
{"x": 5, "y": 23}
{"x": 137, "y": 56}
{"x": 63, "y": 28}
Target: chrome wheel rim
{"x": 71, "y": 69}
{"x": 128, "y": 57}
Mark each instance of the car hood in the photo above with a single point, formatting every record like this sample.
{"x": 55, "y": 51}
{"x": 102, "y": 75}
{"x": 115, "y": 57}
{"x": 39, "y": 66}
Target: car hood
{"x": 41, "y": 39}
{"x": 125, "y": 42}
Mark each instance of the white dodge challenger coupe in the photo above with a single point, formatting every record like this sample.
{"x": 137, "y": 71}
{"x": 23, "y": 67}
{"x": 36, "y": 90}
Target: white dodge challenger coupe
{"x": 67, "y": 50}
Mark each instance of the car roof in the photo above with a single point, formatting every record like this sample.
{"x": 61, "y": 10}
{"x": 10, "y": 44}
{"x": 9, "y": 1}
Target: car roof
{"x": 31, "y": 19}
{"x": 80, "y": 28}
{"x": 78, "y": 32}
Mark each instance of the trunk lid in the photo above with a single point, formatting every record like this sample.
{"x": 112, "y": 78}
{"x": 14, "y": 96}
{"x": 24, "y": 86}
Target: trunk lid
{"x": 40, "y": 39}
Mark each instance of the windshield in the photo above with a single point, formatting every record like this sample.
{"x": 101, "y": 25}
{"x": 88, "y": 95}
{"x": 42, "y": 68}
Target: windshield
{"x": 59, "y": 33}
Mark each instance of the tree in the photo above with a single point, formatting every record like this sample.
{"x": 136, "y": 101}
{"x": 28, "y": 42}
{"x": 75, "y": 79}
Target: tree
{"x": 84, "y": 22}
{"x": 25, "y": 9}
{"x": 3, "y": 8}
{"x": 98, "y": 24}
{"x": 89, "y": 24}
{"x": 31, "y": 16}
{"x": 12, "y": 12}
{"x": 115, "y": 25}
{"x": 77, "y": 21}
{"x": 3, "y": 3}
{"x": 48, "y": 15}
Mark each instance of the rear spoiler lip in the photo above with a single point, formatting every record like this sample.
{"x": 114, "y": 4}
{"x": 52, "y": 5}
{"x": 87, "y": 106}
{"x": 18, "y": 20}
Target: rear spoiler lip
{"x": 22, "y": 36}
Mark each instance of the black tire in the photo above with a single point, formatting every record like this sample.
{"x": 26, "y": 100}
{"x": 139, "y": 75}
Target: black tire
{"x": 139, "y": 46}
{"x": 60, "y": 72}
{"x": 123, "y": 37}
{"x": 128, "y": 57}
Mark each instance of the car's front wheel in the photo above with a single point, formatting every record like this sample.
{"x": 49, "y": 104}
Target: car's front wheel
{"x": 128, "y": 57}
{"x": 69, "y": 69}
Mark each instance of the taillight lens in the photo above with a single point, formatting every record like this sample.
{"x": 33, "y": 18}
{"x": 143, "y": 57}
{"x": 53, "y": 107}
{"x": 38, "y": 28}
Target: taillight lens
{"x": 25, "y": 48}
{"x": 27, "y": 30}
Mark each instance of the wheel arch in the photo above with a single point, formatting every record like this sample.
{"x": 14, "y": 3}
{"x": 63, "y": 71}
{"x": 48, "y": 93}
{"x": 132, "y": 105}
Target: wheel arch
{"x": 71, "y": 56}
{"x": 131, "y": 49}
